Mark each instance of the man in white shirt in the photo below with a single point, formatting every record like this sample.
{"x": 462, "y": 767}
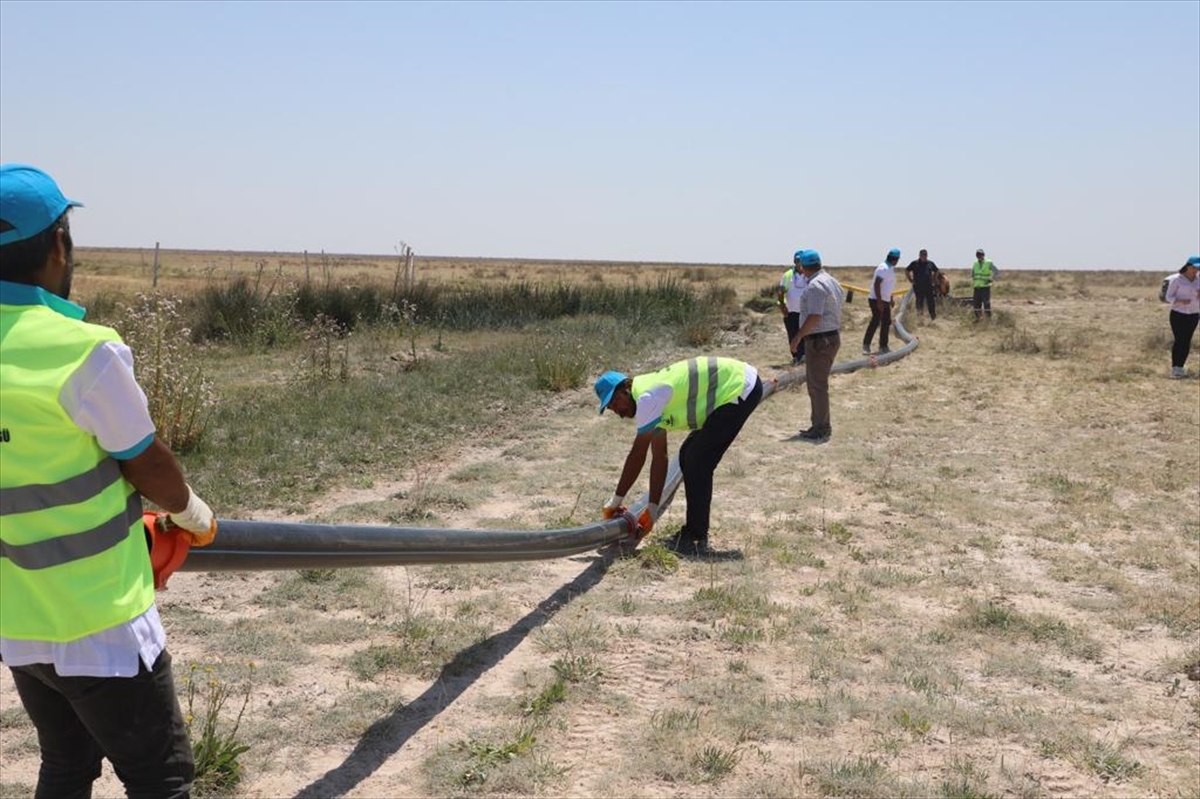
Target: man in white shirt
{"x": 791, "y": 290}
{"x": 879, "y": 296}
{"x": 79, "y": 629}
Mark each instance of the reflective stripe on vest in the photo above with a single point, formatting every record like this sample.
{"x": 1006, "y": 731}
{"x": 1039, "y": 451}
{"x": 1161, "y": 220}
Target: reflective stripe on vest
{"x": 77, "y": 546}
{"x": 700, "y": 386}
{"x": 710, "y": 395}
{"x": 25, "y": 499}
{"x": 73, "y": 558}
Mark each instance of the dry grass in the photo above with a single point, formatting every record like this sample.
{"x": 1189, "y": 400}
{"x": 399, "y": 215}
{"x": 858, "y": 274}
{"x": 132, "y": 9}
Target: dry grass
{"x": 984, "y": 585}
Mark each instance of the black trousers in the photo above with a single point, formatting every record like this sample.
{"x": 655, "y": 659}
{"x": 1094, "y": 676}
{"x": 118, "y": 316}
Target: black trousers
{"x": 881, "y": 320}
{"x": 135, "y": 722}
{"x": 700, "y": 454}
{"x": 791, "y": 323}
{"x": 1183, "y": 325}
{"x": 924, "y": 298}
{"x": 981, "y": 297}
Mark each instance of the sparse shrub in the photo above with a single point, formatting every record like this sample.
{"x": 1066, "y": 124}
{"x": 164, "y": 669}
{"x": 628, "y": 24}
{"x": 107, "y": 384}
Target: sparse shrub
{"x": 716, "y": 763}
{"x": 484, "y": 757}
{"x": 915, "y": 725}
{"x": 863, "y": 778}
{"x": 657, "y": 558}
{"x": 216, "y": 751}
{"x": 675, "y": 721}
{"x": 1018, "y": 341}
{"x": 1064, "y": 344}
{"x": 181, "y": 399}
{"x": 577, "y": 668}
{"x": 560, "y": 368}
{"x": 765, "y": 301}
{"x": 551, "y": 695}
{"x": 326, "y": 351}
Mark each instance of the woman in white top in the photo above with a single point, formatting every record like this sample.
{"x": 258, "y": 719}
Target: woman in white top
{"x": 1183, "y": 293}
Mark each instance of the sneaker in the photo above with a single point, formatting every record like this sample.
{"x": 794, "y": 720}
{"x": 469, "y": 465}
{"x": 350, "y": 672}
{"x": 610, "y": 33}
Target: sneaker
{"x": 884, "y": 350}
{"x": 866, "y": 350}
{"x": 1177, "y": 372}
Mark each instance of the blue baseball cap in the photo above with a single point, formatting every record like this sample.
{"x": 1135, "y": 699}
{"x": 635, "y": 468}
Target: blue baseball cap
{"x": 796, "y": 257}
{"x": 809, "y": 258}
{"x": 1194, "y": 261}
{"x": 893, "y": 253}
{"x": 30, "y": 202}
{"x": 606, "y": 385}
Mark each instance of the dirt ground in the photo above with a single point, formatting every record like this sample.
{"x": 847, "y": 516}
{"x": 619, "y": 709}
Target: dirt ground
{"x": 986, "y": 584}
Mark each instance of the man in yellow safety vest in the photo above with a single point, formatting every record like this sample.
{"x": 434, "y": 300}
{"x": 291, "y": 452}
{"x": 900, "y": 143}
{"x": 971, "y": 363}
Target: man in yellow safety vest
{"x": 79, "y": 628}
{"x": 709, "y": 397}
{"x": 983, "y": 274}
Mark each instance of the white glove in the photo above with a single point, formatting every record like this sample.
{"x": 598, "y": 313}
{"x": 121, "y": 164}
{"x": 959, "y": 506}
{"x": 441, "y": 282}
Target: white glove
{"x": 610, "y": 508}
{"x": 197, "y": 519}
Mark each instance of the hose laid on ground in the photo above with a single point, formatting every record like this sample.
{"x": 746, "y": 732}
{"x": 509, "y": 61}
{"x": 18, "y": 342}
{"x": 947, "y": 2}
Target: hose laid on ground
{"x": 269, "y": 546}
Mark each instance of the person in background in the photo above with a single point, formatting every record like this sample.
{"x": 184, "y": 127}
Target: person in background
{"x": 879, "y": 296}
{"x": 983, "y": 275}
{"x": 791, "y": 289}
{"x": 820, "y": 321}
{"x": 79, "y": 628}
{"x": 1183, "y": 293}
{"x": 923, "y": 274}
{"x": 708, "y": 396}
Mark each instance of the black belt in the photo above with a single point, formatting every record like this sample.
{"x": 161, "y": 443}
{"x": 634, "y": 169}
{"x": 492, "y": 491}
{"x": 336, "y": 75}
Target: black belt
{"x": 824, "y": 334}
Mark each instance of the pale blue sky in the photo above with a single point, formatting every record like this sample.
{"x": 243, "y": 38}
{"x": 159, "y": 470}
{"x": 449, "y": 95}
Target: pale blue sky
{"x": 1055, "y": 135}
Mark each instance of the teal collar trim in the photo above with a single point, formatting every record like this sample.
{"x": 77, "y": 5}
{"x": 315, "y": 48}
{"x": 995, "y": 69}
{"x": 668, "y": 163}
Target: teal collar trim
{"x": 23, "y": 294}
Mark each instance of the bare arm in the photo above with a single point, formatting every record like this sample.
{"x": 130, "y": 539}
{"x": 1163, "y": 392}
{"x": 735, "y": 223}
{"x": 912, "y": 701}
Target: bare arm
{"x": 157, "y": 476}
{"x": 658, "y": 464}
{"x": 656, "y": 441}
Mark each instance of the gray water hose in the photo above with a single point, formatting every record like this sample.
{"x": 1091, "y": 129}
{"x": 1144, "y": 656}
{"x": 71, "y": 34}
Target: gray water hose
{"x": 271, "y": 546}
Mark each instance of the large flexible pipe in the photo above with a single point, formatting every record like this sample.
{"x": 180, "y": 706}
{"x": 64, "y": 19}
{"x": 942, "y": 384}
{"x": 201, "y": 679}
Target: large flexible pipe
{"x": 270, "y": 546}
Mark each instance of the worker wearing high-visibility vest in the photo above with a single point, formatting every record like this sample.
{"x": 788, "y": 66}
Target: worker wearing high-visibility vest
{"x": 983, "y": 274}
{"x": 79, "y": 628}
{"x": 709, "y": 397}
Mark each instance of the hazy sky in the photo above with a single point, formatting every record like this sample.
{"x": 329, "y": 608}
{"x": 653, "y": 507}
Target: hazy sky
{"x": 1055, "y": 135}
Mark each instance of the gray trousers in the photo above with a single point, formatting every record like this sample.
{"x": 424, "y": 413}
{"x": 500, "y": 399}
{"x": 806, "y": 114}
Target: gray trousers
{"x": 820, "y": 353}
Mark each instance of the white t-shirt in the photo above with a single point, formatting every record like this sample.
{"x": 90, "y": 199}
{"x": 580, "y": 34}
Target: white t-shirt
{"x": 793, "y": 289}
{"x": 103, "y": 398}
{"x": 887, "y": 274}
{"x": 650, "y": 404}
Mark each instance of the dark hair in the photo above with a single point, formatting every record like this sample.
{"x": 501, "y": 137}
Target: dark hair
{"x": 22, "y": 260}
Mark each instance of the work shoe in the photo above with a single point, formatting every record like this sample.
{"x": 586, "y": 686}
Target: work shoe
{"x": 817, "y": 435}
{"x": 689, "y": 548}
{"x": 672, "y": 542}
{"x": 1177, "y": 372}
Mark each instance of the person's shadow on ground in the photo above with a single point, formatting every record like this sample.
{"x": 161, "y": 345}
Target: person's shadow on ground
{"x": 387, "y": 735}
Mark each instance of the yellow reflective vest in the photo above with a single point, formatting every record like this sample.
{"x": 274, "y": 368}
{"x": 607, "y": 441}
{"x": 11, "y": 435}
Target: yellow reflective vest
{"x": 981, "y": 274}
{"x": 701, "y": 385}
{"x": 73, "y": 557}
